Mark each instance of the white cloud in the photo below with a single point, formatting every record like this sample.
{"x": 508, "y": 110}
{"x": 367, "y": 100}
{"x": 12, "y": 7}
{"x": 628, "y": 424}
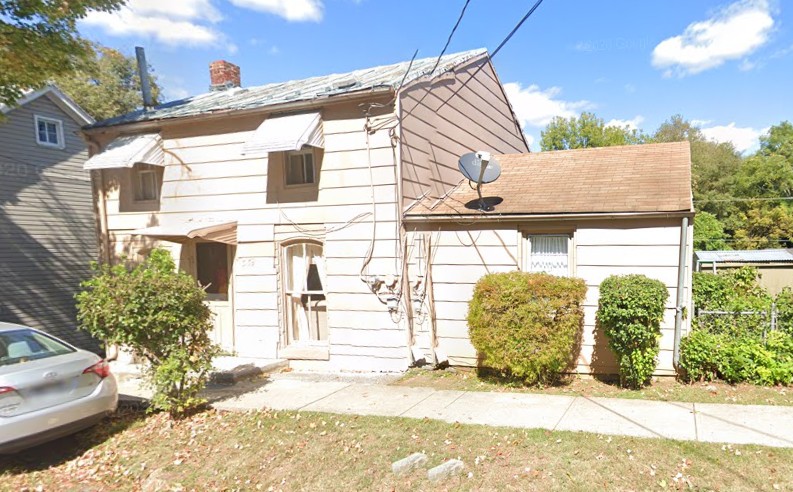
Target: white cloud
{"x": 291, "y": 10}
{"x": 536, "y": 107}
{"x": 743, "y": 138}
{"x": 700, "y": 123}
{"x": 632, "y": 124}
{"x": 177, "y": 9}
{"x": 732, "y": 33}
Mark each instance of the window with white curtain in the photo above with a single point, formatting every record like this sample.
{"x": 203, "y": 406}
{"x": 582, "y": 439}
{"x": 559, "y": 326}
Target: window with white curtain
{"x": 304, "y": 293}
{"x": 548, "y": 253}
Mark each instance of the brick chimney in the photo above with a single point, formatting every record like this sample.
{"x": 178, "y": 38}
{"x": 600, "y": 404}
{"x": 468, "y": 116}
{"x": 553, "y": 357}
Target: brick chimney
{"x": 223, "y": 75}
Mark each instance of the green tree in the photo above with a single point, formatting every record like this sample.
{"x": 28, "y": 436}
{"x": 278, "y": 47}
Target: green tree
{"x": 763, "y": 227}
{"x": 709, "y": 233}
{"x": 159, "y": 313}
{"x": 39, "y": 41}
{"x": 107, "y": 85}
{"x": 778, "y": 141}
{"x": 586, "y": 131}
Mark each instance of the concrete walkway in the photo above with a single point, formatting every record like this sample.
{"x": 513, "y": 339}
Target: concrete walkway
{"x": 737, "y": 424}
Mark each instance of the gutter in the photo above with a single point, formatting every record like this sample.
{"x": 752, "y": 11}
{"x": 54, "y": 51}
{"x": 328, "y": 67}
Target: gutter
{"x": 157, "y": 124}
{"x": 542, "y": 217}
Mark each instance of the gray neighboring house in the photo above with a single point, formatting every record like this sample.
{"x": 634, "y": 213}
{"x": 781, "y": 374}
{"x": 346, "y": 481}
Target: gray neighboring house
{"x": 47, "y": 220}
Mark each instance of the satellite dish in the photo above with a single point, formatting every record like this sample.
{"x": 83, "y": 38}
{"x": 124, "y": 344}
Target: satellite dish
{"x": 480, "y": 168}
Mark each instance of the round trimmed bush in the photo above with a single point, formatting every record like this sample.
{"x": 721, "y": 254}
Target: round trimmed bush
{"x": 527, "y": 325}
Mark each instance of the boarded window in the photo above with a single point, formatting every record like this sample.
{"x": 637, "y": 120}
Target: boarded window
{"x": 549, "y": 254}
{"x": 212, "y": 261}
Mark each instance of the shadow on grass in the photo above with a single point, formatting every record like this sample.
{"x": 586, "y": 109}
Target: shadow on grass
{"x": 59, "y": 451}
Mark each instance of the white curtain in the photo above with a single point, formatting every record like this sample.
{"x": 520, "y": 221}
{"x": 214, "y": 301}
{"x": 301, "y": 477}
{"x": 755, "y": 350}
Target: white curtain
{"x": 549, "y": 254}
{"x": 317, "y": 260}
{"x": 299, "y": 274}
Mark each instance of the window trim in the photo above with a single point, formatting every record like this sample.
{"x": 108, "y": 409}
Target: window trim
{"x": 287, "y": 162}
{"x": 526, "y": 249}
{"x": 137, "y": 184}
{"x": 61, "y": 144}
{"x": 298, "y": 349}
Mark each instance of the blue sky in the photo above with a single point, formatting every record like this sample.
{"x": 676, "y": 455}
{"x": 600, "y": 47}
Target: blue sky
{"x": 728, "y": 65}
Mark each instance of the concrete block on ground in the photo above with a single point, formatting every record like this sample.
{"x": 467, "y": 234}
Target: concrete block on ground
{"x": 407, "y": 465}
{"x": 445, "y": 470}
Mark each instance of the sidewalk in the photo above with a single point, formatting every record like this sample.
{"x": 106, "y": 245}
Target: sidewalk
{"x": 736, "y": 424}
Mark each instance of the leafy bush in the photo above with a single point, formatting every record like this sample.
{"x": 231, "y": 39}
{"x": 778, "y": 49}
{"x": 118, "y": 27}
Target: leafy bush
{"x": 784, "y": 306}
{"x": 732, "y": 291}
{"x": 527, "y": 325}
{"x": 630, "y": 311}
{"x": 705, "y": 355}
{"x": 159, "y": 313}
{"x": 700, "y": 356}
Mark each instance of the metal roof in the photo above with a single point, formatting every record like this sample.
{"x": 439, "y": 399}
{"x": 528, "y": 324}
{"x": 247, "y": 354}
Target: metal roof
{"x": 241, "y": 98}
{"x": 746, "y": 256}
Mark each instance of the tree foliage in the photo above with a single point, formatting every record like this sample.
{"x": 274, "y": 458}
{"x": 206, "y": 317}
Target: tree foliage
{"x": 159, "y": 313}
{"x": 709, "y": 233}
{"x": 107, "y": 85}
{"x": 39, "y": 41}
{"x": 586, "y": 131}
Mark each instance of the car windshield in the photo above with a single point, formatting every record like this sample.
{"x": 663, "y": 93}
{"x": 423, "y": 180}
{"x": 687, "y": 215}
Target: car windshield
{"x": 18, "y": 346}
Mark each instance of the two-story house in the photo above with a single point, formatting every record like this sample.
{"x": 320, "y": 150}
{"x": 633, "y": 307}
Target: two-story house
{"x": 287, "y": 200}
{"x": 47, "y": 223}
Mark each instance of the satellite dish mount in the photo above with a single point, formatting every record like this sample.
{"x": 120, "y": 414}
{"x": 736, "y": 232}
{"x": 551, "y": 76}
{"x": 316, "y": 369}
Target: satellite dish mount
{"x": 480, "y": 168}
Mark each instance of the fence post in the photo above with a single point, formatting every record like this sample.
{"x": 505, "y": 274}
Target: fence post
{"x": 773, "y": 316}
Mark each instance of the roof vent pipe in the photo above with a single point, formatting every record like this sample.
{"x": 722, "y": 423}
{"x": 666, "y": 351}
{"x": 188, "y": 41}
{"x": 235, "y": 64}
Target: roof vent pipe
{"x": 143, "y": 73}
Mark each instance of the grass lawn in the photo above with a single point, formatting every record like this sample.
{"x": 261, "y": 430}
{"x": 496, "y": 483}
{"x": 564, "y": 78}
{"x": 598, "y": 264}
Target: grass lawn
{"x": 305, "y": 451}
{"x": 666, "y": 389}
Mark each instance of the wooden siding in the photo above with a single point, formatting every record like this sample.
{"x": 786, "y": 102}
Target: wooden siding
{"x": 47, "y": 226}
{"x": 207, "y": 176}
{"x": 462, "y": 254}
{"x": 447, "y": 118}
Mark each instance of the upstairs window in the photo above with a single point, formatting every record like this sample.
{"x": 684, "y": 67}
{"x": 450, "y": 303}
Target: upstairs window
{"x": 146, "y": 181}
{"x": 49, "y": 132}
{"x": 300, "y": 168}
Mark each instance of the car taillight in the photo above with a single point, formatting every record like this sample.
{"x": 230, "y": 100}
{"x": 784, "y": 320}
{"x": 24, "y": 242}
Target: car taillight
{"x": 101, "y": 369}
{"x": 6, "y": 389}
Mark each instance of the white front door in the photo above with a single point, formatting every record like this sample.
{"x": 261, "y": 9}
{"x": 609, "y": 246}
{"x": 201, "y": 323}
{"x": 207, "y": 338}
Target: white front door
{"x": 213, "y": 270}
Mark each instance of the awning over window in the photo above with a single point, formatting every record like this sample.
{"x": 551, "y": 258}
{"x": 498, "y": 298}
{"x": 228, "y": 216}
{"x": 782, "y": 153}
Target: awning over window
{"x": 128, "y": 151}
{"x": 221, "y": 232}
{"x": 283, "y": 133}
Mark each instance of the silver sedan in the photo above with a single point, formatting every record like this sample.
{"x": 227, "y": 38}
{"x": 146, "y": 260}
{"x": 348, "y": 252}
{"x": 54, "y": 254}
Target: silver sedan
{"x": 48, "y": 388}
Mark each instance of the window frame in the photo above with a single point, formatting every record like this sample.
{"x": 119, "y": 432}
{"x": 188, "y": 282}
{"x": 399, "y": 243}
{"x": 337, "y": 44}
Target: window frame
{"x": 526, "y": 249}
{"x": 60, "y": 144}
{"x": 138, "y": 171}
{"x": 288, "y": 162}
{"x": 287, "y": 291}
{"x": 216, "y": 296}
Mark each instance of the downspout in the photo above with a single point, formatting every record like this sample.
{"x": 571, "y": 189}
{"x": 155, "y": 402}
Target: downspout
{"x": 681, "y": 280}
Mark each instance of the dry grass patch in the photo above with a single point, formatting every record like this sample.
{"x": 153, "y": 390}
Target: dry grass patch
{"x": 308, "y": 451}
{"x": 664, "y": 389}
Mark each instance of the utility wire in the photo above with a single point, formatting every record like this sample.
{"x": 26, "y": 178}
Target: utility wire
{"x": 750, "y": 199}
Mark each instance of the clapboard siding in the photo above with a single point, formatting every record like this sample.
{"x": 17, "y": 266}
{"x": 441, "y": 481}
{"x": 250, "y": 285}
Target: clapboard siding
{"x": 206, "y": 175}
{"x": 462, "y": 254}
{"x": 456, "y": 115}
{"x": 47, "y": 226}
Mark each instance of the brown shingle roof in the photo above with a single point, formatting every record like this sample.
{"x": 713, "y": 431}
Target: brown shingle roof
{"x": 631, "y": 178}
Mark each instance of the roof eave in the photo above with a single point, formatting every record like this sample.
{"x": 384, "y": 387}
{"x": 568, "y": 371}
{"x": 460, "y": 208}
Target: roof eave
{"x": 490, "y": 217}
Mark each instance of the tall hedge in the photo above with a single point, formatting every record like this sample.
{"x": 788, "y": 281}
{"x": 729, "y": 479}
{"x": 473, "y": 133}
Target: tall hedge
{"x": 630, "y": 311}
{"x": 527, "y": 325}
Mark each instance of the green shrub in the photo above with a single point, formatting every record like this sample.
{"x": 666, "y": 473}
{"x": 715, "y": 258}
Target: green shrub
{"x": 700, "y": 356}
{"x": 527, "y": 325}
{"x": 630, "y": 311}
{"x": 159, "y": 313}
{"x": 732, "y": 291}
{"x": 784, "y": 306}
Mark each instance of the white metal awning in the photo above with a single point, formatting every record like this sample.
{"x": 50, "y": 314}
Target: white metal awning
{"x": 283, "y": 133}
{"x": 221, "y": 232}
{"x": 128, "y": 151}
